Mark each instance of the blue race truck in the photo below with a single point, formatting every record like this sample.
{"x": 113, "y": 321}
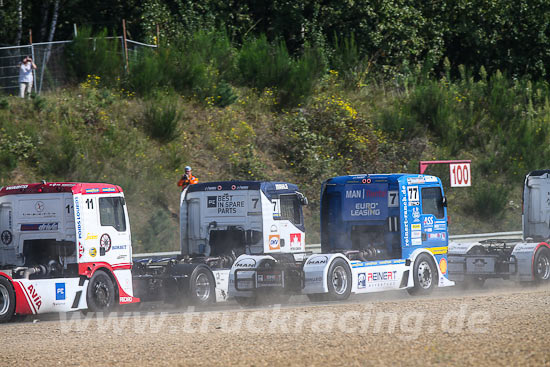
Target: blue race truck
{"x": 378, "y": 232}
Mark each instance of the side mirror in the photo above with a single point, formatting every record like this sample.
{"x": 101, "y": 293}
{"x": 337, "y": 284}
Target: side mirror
{"x": 302, "y": 198}
{"x": 444, "y": 201}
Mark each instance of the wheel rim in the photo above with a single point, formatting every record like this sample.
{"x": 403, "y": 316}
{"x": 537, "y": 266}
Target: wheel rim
{"x": 4, "y": 300}
{"x": 101, "y": 294}
{"x": 543, "y": 267}
{"x": 339, "y": 280}
{"x": 202, "y": 287}
{"x": 424, "y": 275}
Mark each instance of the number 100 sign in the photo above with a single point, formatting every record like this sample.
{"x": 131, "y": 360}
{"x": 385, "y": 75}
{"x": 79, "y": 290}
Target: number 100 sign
{"x": 460, "y": 175}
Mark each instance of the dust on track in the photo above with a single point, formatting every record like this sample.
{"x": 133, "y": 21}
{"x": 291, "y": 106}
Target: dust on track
{"x": 501, "y": 324}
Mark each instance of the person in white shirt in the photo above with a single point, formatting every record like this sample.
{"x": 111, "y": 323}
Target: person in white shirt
{"x": 26, "y": 77}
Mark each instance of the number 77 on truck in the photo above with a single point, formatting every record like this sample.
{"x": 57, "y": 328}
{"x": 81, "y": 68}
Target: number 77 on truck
{"x": 378, "y": 232}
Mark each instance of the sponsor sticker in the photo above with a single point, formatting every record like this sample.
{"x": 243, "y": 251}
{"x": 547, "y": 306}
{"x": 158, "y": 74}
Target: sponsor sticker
{"x": 109, "y": 189}
{"x": 416, "y": 227}
{"x": 416, "y": 214}
{"x": 90, "y": 236}
{"x": 416, "y": 241}
{"x": 416, "y": 234}
{"x": 59, "y": 291}
{"x": 281, "y": 187}
{"x": 362, "y": 280}
{"x": 7, "y": 237}
{"x": 274, "y": 242}
{"x": 39, "y": 227}
{"x": 105, "y": 242}
{"x": 437, "y": 236}
{"x": 415, "y": 180}
{"x": 92, "y": 191}
{"x": 39, "y": 206}
{"x": 295, "y": 241}
{"x": 443, "y": 265}
{"x": 317, "y": 260}
{"x": 246, "y": 263}
{"x": 93, "y": 252}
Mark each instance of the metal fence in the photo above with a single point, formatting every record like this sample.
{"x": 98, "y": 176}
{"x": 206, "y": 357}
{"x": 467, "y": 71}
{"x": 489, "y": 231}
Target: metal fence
{"x": 49, "y": 58}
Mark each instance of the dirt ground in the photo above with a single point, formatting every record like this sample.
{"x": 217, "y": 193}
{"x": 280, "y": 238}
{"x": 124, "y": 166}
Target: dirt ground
{"x": 502, "y": 326}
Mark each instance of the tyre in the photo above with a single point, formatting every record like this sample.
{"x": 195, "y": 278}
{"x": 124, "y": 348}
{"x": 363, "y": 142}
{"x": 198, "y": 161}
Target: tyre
{"x": 541, "y": 265}
{"x": 425, "y": 275}
{"x": 101, "y": 293}
{"x": 7, "y": 300}
{"x": 339, "y": 281}
{"x": 202, "y": 287}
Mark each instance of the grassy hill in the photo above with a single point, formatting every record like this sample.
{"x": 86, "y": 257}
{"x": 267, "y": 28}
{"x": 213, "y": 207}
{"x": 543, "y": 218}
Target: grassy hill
{"x": 101, "y": 134}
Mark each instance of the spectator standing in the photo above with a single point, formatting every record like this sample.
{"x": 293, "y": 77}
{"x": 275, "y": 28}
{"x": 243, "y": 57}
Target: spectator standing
{"x": 187, "y": 179}
{"x": 26, "y": 76}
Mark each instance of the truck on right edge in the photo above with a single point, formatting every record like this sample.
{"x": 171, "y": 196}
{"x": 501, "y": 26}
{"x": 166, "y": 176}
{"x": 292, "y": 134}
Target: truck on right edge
{"x": 521, "y": 260}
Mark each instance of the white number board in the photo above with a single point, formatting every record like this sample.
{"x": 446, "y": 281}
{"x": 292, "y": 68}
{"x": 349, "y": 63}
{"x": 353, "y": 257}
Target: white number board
{"x": 460, "y": 175}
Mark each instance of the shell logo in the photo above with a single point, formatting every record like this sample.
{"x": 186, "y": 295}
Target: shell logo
{"x": 443, "y": 265}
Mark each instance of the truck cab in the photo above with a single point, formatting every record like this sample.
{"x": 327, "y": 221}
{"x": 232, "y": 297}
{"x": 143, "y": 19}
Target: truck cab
{"x": 241, "y": 217}
{"x": 65, "y": 246}
{"x": 378, "y": 232}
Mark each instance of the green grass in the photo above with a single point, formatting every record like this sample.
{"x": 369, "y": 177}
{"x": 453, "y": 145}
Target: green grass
{"x": 104, "y": 133}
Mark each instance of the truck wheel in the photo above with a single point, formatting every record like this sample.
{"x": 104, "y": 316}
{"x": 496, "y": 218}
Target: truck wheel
{"x": 425, "y": 275}
{"x": 202, "y": 289}
{"x": 101, "y": 292}
{"x": 339, "y": 281}
{"x": 7, "y": 300}
{"x": 541, "y": 265}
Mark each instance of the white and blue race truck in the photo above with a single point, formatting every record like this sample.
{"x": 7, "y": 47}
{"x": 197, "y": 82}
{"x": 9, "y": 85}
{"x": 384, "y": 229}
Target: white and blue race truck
{"x": 378, "y": 232}
{"x": 522, "y": 260}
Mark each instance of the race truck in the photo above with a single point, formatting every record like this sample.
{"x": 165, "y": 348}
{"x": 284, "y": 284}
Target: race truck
{"x": 522, "y": 260}
{"x": 219, "y": 221}
{"x": 67, "y": 246}
{"x": 64, "y": 247}
{"x": 378, "y": 232}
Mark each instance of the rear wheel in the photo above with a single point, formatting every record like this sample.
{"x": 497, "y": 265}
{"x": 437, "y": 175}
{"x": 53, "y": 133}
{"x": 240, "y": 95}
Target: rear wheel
{"x": 202, "y": 289}
{"x": 339, "y": 281}
{"x": 425, "y": 275}
{"x": 7, "y": 300}
{"x": 541, "y": 265}
{"x": 101, "y": 293}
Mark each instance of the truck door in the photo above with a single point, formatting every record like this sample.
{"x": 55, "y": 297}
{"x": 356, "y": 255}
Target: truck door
{"x": 114, "y": 231}
{"x": 434, "y": 220}
{"x": 288, "y": 220}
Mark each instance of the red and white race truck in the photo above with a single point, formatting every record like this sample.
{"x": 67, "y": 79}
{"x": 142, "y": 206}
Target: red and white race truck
{"x": 64, "y": 247}
{"x": 67, "y": 246}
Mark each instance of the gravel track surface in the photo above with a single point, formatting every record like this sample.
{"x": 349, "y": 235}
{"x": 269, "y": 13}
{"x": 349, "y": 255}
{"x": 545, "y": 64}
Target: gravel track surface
{"x": 493, "y": 326}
